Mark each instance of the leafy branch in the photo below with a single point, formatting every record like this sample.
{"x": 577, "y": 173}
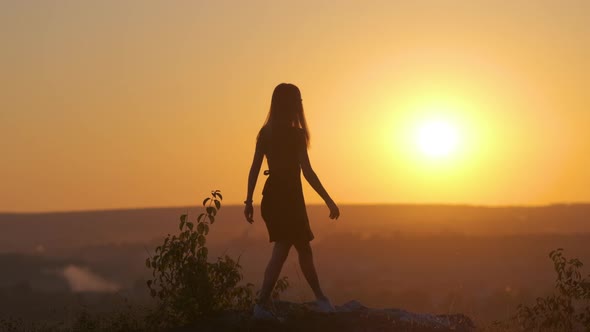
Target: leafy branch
{"x": 188, "y": 286}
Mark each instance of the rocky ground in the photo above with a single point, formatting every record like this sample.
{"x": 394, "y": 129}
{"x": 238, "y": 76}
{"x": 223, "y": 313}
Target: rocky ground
{"x": 350, "y": 317}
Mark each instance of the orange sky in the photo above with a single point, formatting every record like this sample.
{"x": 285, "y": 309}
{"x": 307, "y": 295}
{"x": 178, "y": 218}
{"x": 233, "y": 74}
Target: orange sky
{"x": 112, "y": 104}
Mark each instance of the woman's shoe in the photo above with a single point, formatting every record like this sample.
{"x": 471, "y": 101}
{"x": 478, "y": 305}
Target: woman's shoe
{"x": 261, "y": 313}
{"x": 324, "y": 305}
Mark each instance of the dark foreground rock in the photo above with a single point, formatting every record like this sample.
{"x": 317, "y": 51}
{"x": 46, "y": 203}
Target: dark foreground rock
{"x": 350, "y": 317}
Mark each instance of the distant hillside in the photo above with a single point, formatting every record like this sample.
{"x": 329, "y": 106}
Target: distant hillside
{"x": 478, "y": 261}
{"x": 30, "y": 232}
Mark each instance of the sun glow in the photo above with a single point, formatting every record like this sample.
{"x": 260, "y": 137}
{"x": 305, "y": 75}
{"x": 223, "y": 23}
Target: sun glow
{"x": 437, "y": 138}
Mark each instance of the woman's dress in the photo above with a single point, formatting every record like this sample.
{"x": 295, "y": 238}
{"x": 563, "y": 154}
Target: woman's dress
{"x": 283, "y": 205}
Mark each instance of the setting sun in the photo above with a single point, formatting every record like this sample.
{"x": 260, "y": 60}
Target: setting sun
{"x": 437, "y": 138}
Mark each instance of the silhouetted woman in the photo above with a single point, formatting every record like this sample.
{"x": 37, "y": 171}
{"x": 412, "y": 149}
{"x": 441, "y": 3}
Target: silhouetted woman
{"x": 284, "y": 139}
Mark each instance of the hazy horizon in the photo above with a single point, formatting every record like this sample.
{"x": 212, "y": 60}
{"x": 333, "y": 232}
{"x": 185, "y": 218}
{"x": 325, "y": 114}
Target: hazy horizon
{"x": 257, "y": 206}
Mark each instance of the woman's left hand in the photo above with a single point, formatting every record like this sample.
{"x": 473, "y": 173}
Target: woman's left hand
{"x": 334, "y": 211}
{"x": 249, "y": 212}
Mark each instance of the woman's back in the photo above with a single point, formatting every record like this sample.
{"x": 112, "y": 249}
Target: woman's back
{"x": 281, "y": 148}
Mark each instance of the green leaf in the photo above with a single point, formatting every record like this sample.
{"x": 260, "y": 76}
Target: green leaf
{"x": 182, "y": 221}
{"x": 211, "y": 211}
{"x": 206, "y": 229}
{"x": 206, "y": 200}
{"x": 200, "y": 217}
{"x": 212, "y": 219}
{"x": 201, "y": 240}
{"x": 190, "y": 225}
{"x": 219, "y": 195}
{"x": 203, "y": 252}
{"x": 201, "y": 228}
{"x": 217, "y": 204}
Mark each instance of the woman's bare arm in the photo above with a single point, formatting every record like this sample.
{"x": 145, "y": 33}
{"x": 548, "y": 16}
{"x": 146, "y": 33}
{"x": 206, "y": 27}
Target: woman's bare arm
{"x": 252, "y": 178}
{"x": 315, "y": 183}
{"x": 253, "y": 175}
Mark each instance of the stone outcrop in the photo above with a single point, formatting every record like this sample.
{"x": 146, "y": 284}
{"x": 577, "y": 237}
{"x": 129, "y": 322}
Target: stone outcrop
{"x": 349, "y": 317}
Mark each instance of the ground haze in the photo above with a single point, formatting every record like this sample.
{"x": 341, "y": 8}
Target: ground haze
{"x": 480, "y": 261}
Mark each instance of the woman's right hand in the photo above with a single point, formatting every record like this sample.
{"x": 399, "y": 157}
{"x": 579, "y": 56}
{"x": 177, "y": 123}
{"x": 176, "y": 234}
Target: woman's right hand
{"x": 334, "y": 211}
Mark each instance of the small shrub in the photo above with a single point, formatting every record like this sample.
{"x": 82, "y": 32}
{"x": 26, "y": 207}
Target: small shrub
{"x": 566, "y": 310}
{"x": 188, "y": 286}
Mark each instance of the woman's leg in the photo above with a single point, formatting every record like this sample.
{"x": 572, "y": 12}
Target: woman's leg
{"x": 308, "y": 269}
{"x": 273, "y": 270}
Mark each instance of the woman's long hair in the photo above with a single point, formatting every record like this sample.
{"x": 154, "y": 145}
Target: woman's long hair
{"x": 286, "y": 110}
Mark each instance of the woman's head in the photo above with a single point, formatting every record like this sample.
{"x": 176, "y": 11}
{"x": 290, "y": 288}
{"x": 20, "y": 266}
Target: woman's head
{"x": 286, "y": 108}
